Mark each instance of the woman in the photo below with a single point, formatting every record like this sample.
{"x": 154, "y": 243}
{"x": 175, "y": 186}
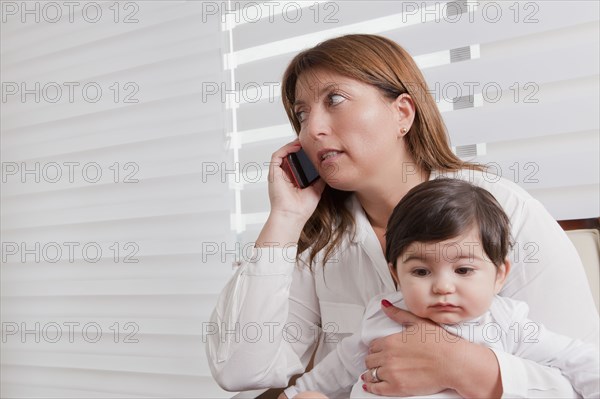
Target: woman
{"x": 362, "y": 113}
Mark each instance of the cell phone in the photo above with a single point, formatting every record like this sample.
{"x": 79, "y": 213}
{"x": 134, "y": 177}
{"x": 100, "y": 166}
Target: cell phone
{"x": 302, "y": 170}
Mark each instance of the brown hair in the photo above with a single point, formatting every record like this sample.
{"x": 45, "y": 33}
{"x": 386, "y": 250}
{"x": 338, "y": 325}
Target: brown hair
{"x": 441, "y": 209}
{"x": 380, "y": 62}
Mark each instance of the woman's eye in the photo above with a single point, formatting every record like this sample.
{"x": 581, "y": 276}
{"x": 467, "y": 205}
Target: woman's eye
{"x": 300, "y": 116}
{"x": 464, "y": 270}
{"x": 335, "y": 99}
{"x": 420, "y": 272}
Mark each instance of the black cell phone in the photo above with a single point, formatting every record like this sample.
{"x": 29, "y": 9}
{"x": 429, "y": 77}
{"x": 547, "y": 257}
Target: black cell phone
{"x": 302, "y": 170}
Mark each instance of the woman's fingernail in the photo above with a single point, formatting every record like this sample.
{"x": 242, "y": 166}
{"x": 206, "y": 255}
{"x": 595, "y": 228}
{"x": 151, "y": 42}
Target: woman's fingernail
{"x": 362, "y": 377}
{"x": 386, "y": 303}
{"x": 364, "y": 387}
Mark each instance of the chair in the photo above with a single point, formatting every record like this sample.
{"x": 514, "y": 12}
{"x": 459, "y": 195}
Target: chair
{"x": 587, "y": 243}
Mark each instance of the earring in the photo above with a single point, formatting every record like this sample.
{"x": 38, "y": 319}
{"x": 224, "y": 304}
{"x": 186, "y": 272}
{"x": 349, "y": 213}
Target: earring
{"x": 404, "y": 130}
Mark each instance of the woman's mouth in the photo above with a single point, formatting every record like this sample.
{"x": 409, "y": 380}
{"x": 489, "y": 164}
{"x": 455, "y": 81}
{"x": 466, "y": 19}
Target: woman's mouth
{"x": 328, "y": 155}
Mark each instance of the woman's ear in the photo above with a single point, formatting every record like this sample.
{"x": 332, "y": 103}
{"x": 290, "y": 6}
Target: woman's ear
{"x": 501, "y": 273}
{"x": 405, "y": 108}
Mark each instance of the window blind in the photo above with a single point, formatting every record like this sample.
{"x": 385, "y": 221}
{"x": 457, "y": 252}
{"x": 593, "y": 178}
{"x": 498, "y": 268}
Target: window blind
{"x": 112, "y": 225}
{"x": 515, "y": 81}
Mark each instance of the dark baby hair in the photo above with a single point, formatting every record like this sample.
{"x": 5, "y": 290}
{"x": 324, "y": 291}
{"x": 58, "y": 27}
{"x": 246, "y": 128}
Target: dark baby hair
{"x": 443, "y": 208}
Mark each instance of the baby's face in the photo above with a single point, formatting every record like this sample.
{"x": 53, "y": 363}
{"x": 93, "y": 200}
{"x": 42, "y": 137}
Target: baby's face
{"x": 449, "y": 281}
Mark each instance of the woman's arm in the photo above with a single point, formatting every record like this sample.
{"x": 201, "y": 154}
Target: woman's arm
{"x": 425, "y": 359}
{"x": 547, "y": 274}
{"x": 528, "y": 339}
{"x": 264, "y": 327}
{"x": 265, "y": 322}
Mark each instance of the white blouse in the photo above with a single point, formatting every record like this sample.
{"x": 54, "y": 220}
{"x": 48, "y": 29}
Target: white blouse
{"x": 504, "y": 328}
{"x": 273, "y": 312}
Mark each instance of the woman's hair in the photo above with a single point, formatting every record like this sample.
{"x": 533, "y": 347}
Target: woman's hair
{"x": 441, "y": 209}
{"x": 385, "y": 65}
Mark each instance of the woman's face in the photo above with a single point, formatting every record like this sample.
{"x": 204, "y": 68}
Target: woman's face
{"x": 350, "y": 131}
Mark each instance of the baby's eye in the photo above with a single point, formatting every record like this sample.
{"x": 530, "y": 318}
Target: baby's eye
{"x": 420, "y": 272}
{"x": 335, "y": 99}
{"x": 464, "y": 270}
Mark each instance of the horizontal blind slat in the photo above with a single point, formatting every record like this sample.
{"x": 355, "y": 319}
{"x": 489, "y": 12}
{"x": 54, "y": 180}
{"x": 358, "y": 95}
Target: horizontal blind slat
{"x": 148, "y": 384}
{"x": 300, "y": 19}
{"x": 181, "y": 105}
{"x": 444, "y": 34}
{"x": 83, "y": 288}
{"x": 192, "y": 265}
{"x": 527, "y": 120}
{"x": 29, "y": 390}
{"x": 131, "y": 307}
{"x": 177, "y": 366}
{"x": 42, "y": 41}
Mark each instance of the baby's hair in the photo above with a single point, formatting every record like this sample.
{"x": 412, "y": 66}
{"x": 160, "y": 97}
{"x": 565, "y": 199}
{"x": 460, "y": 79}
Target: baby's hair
{"x": 443, "y": 208}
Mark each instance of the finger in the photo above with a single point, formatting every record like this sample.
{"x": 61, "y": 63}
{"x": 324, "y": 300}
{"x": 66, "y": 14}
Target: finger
{"x": 400, "y": 316}
{"x": 280, "y": 153}
{"x": 377, "y": 345}
{"x": 276, "y": 164}
{"x": 375, "y": 360}
{"x": 367, "y": 376}
{"x": 379, "y": 388}
{"x": 292, "y": 146}
{"x": 381, "y": 344}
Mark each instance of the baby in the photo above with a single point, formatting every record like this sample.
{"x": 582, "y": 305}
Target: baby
{"x": 447, "y": 243}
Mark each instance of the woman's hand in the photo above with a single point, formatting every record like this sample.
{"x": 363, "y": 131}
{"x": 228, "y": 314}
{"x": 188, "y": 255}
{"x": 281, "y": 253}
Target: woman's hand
{"x": 287, "y": 199}
{"x": 291, "y": 206}
{"x": 425, "y": 359}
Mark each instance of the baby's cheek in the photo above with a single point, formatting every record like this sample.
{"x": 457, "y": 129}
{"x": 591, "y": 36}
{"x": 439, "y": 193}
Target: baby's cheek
{"x": 480, "y": 306}
{"x": 414, "y": 305}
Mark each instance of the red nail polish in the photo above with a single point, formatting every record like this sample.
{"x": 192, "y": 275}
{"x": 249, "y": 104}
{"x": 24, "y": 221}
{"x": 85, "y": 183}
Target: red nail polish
{"x": 362, "y": 377}
{"x": 364, "y": 387}
{"x": 386, "y": 303}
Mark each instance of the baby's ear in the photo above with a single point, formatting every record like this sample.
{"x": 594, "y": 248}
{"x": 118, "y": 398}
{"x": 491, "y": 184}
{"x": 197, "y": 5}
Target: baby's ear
{"x": 501, "y": 273}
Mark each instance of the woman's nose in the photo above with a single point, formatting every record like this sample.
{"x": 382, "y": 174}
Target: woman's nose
{"x": 317, "y": 125}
